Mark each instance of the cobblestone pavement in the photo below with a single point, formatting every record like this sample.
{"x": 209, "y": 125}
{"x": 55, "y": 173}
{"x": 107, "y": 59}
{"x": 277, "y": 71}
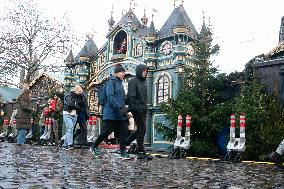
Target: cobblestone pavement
{"x": 52, "y": 167}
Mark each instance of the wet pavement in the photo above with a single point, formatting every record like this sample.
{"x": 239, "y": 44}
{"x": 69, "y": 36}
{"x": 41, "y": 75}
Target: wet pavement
{"x": 52, "y": 167}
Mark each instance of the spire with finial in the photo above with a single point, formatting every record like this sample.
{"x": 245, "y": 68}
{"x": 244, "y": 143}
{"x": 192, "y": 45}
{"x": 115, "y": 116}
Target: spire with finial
{"x": 70, "y": 59}
{"x": 144, "y": 19}
{"x": 175, "y": 3}
{"x": 203, "y": 27}
{"x": 154, "y": 10}
{"x": 90, "y": 35}
{"x": 111, "y": 20}
{"x": 130, "y": 13}
{"x": 203, "y": 35}
{"x": 281, "y": 32}
{"x": 151, "y": 34}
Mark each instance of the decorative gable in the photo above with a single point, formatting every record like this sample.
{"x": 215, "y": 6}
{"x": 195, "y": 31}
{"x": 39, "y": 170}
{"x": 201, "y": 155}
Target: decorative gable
{"x": 44, "y": 84}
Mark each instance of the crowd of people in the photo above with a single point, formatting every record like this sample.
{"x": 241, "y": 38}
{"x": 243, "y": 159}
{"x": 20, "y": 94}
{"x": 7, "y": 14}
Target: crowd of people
{"x": 121, "y": 112}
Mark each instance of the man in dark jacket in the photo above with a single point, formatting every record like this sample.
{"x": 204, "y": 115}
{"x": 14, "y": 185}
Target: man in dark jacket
{"x": 71, "y": 108}
{"x": 137, "y": 101}
{"x": 114, "y": 113}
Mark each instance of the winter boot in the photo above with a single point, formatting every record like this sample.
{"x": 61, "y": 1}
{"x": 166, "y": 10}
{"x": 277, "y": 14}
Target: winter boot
{"x": 141, "y": 154}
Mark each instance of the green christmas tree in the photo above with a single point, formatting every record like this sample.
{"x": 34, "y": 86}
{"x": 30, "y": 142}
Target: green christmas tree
{"x": 199, "y": 97}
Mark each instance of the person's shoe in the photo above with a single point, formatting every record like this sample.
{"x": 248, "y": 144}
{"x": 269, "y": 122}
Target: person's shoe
{"x": 95, "y": 151}
{"x": 125, "y": 156}
{"x": 274, "y": 157}
{"x": 132, "y": 149}
{"x": 68, "y": 147}
{"x": 144, "y": 155}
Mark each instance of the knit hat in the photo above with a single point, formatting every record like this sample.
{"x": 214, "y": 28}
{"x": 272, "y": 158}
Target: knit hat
{"x": 118, "y": 68}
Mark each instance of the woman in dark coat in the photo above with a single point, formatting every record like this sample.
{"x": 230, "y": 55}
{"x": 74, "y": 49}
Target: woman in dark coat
{"x": 23, "y": 117}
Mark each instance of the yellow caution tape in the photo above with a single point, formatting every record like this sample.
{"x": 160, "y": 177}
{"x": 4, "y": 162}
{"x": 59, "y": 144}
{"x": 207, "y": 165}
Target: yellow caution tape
{"x": 204, "y": 158}
{"x": 262, "y": 162}
{"x": 248, "y": 161}
{"x": 199, "y": 158}
{"x": 215, "y": 159}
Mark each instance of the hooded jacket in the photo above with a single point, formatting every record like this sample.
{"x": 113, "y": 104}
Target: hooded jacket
{"x": 137, "y": 91}
{"x": 115, "y": 100}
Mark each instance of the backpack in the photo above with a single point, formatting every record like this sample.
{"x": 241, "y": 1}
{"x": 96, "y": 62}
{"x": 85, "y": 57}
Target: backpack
{"x": 102, "y": 97}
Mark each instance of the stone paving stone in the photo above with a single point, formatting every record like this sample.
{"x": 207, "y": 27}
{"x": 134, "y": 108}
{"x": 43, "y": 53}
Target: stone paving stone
{"x": 52, "y": 167}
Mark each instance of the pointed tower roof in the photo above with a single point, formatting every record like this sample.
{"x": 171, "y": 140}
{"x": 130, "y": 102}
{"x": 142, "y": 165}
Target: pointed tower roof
{"x": 178, "y": 17}
{"x": 144, "y": 20}
{"x": 203, "y": 29}
{"x": 70, "y": 58}
{"x": 111, "y": 20}
{"x": 128, "y": 19}
{"x": 89, "y": 50}
{"x": 281, "y": 32}
{"x": 152, "y": 31}
{"x": 151, "y": 34}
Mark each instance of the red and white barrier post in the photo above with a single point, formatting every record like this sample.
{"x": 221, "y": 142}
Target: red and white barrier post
{"x": 187, "y": 129}
{"x": 50, "y": 121}
{"x": 186, "y": 143}
{"x": 14, "y": 122}
{"x": 233, "y": 128}
{"x": 92, "y": 128}
{"x": 89, "y": 127}
{"x": 5, "y": 128}
{"x": 177, "y": 142}
{"x": 179, "y": 126}
{"x": 242, "y": 128}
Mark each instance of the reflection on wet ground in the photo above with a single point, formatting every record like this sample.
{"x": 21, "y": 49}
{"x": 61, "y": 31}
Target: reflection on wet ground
{"x": 52, "y": 167}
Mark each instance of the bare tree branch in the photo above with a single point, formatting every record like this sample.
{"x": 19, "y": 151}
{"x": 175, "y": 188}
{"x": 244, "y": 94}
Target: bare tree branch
{"x": 30, "y": 41}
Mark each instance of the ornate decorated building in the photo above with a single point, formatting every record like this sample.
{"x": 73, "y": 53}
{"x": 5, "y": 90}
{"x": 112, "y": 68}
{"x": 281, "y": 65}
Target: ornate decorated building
{"x": 131, "y": 42}
{"x": 270, "y": 66}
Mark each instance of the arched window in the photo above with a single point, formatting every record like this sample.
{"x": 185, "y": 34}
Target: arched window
{"x": 120, "y": 43}
{"x": 163, "y": 89}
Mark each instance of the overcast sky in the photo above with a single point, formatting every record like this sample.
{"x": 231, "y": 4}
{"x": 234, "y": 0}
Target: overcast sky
{"x": 242, "y": 28}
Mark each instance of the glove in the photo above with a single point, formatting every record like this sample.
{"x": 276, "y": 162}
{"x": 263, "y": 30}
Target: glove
{"x": 123, "y": 111}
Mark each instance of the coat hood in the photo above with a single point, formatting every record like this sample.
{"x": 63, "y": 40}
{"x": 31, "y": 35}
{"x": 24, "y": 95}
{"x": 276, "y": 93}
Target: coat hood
{"x": 139, "y": 69}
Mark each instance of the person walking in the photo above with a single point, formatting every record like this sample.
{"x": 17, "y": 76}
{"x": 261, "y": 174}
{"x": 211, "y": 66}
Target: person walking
{"x": 24, "y": 113}
{"x": 137, "y": 101}
{"x": 83, "y": 116}
{"x": 114, "y": 113}
{"x": 70, "y": 109}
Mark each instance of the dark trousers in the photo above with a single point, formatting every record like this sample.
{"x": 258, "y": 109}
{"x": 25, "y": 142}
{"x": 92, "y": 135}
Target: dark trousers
{"x": 81, "y": 134}
{"x": 139, "y": 134}
{"x": 120, "y": 128}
